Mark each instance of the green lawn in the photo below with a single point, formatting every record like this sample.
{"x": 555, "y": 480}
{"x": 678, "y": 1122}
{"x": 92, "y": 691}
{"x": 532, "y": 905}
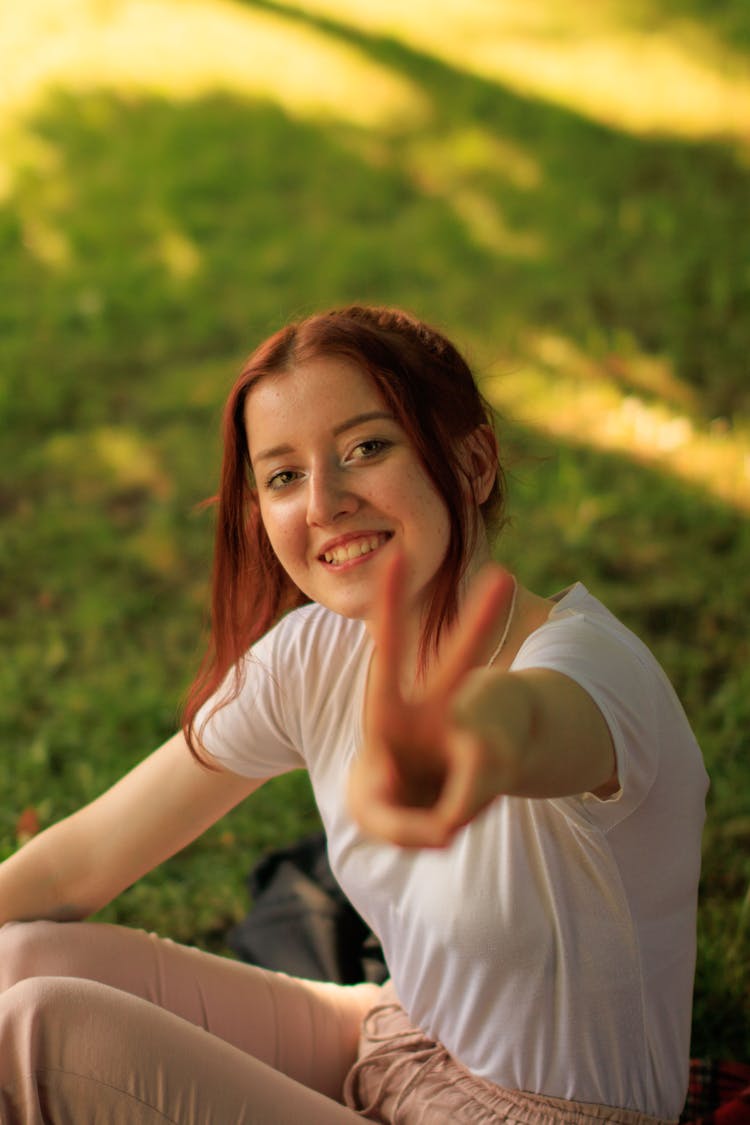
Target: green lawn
{"x": 148, "y": 241}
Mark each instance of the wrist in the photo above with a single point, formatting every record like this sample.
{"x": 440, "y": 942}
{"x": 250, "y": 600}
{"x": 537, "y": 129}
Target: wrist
{"x": 498, "y": 709}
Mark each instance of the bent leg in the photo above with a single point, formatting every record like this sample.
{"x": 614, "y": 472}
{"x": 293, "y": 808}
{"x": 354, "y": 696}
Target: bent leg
{"x": 75, "y": 1052}
{"x": 306, "y": 1029}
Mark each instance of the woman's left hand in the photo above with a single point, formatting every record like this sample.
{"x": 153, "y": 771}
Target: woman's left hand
{"x": 420, "y": 775}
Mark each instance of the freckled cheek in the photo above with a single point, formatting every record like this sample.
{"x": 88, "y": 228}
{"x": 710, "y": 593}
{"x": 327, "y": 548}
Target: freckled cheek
{"x": 428, "y": 508}
{"x": 286, "y": 535}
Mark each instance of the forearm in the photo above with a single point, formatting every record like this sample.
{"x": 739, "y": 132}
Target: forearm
{"x": 80, "y": 864}
{"x": 38, "y": 881}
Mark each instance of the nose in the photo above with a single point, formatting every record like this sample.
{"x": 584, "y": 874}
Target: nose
{"x": 329, "y": 496}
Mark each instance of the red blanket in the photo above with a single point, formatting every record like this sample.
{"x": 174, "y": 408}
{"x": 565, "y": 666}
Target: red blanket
{"x": 719, "y": 1094}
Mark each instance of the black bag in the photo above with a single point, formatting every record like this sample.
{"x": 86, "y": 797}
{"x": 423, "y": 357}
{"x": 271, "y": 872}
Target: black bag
{"x": 301, "y": 921}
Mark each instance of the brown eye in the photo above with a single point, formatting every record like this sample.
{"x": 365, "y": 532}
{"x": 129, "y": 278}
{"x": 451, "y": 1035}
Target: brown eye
{"x": 281, "y": 479}
{"x": 369, "y": 448}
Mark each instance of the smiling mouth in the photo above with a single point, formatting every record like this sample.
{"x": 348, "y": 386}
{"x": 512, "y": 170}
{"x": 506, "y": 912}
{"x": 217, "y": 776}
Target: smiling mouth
{"x": 355, "y": 548}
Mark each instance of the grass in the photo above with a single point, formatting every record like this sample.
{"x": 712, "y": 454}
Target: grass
{"x": 597, "y": 272}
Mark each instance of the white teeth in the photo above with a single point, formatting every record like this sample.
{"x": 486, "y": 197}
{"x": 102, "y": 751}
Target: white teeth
{"x": 354, "y": 549}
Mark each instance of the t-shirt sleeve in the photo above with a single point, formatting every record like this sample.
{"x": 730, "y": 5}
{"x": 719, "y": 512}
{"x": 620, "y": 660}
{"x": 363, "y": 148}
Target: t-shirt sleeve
{"x": 255, "y": 732}
{"x": 617, "y": 676}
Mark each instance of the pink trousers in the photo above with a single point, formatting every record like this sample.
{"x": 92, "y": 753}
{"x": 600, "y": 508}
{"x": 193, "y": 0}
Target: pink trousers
{"x": 102, "y": 1025}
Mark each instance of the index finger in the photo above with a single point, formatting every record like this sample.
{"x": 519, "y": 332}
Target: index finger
{"x": 384, "y": 685}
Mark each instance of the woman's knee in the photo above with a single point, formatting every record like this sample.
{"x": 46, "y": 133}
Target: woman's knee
{"x": 26, "y": 1008}
{"x": 34, "y": 997}
{"x": 37, "y": 1016}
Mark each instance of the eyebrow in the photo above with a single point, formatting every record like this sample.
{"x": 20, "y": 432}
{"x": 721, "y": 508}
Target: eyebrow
{"x": 349, "y": 424}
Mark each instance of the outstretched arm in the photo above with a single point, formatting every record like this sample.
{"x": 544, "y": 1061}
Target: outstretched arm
{"x": 431, "y": 764}
{"x": 80, "y": 864}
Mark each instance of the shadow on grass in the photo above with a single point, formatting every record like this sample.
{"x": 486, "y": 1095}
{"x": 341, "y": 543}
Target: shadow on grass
{"x": 619, "y": 242}
{"x": 728, "y": 21}
{"x": 501, "y": 216}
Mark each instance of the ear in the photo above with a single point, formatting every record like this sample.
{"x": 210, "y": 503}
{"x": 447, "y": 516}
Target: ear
{"x": 479, "y": 459}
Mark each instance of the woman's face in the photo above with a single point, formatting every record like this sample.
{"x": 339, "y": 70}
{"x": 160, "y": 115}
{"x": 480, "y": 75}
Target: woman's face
{"x": 341, "y": 487}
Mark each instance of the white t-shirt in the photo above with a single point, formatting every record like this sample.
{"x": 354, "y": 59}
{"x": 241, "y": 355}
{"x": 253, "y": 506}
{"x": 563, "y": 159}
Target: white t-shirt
{"x": 551, "y": 946}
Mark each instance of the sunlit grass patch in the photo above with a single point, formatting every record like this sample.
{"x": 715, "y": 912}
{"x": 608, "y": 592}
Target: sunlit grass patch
{"x": 562, "y": 392}
{"x": 644, "y": 75}
{"x": 462, "y": 167}
{"x": 185, "y": 49}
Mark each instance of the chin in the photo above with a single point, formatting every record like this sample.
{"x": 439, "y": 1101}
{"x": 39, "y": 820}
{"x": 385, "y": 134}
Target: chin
{"x": 353, "y": 610}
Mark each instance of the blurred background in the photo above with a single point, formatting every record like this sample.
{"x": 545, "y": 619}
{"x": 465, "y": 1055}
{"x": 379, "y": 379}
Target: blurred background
{"x": 562, "y": 186}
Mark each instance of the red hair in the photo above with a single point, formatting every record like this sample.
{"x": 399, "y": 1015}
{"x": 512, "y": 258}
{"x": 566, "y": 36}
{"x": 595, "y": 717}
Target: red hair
{"x": 433, "y": 395}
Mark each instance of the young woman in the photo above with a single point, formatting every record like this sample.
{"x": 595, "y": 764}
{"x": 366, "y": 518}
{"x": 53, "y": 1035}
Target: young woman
{"x": 512, "y": 796}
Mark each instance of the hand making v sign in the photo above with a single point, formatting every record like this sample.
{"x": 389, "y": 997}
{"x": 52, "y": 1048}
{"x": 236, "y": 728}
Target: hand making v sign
{"x": 421, "y": 774}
